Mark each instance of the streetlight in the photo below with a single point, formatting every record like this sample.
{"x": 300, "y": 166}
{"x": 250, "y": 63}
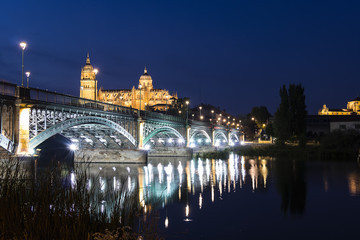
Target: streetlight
{"x": 187, "y": 111}
{"x": 201, "y": 117}
{"x": 167, "y": 96}
{"x": 96, "y": 71}
{"x": 200, "y": 111}
{"x": 193, "y": 115}
{"x": 140, "y": 101}
{"x": 23, "y": 46}
{"x": 27, "y": 77}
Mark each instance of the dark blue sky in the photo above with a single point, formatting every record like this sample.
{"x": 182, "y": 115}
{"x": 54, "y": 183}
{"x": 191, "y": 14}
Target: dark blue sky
{"x": 233, "y": 54}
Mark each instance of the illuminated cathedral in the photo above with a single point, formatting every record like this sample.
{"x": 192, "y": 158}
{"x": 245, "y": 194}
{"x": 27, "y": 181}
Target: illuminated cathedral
{"x": 151, "y": 98}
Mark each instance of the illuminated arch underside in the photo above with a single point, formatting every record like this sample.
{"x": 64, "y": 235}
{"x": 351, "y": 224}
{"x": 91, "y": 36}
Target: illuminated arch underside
{"x": 58, "y": 128}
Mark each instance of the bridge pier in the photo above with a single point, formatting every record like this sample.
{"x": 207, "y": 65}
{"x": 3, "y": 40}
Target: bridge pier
{"x": 140, "y": 134}
{"x": 23, "y": 131}
{"x": 110, "y": 156}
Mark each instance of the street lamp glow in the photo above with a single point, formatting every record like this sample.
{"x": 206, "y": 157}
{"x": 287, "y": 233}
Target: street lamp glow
{"x": 73, "y": 147}
{"x": 212, "y": 111}
{"x": 23, "y": 45}
{"x": 27, "y": 78}
{"x": 96, "y": 71}
{"x": 187, "y": 102}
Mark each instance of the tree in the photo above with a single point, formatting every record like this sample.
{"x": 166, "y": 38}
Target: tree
{"x": 281, "y": 122}
{"x": 297, "y": 110}
{"x": 290, "y": 117}
{"x": 261, "y": 115}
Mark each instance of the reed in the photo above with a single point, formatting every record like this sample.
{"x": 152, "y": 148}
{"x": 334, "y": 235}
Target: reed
{"x": 51, "y": 206}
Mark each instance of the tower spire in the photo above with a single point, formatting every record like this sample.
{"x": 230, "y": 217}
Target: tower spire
{"x": 87, "y": 58}
{"x": 145, "y": 71}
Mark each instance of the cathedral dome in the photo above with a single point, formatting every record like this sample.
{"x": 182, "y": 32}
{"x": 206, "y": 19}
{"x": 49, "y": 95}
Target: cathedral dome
{"x": 88, "y": 67}
{"x": 146, "y": 80}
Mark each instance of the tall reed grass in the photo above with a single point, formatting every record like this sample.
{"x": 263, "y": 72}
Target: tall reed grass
{"x": 49, "y": 206}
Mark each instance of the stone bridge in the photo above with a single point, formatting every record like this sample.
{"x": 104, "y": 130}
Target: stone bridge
{"x": 30, "y": 116}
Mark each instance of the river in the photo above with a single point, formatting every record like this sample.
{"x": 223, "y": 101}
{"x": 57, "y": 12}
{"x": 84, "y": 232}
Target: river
{"x": 241, "y": 197}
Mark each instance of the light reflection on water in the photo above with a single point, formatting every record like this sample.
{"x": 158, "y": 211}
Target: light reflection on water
{"x": 195, "y": 183}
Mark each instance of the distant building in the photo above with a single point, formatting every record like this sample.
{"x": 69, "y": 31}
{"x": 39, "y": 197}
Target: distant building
{"x": 151, "y": 98}
{"x": 318, "y": 125}
{"x": 353, "y": 108}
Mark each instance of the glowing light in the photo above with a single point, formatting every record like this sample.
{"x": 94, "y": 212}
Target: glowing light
{"x": 23, "y": 45}
{"x": 187, "y": 210}
{"x": 170, "y": 140}
{"x": 166, "y": 222}
{"x": 27, "y": 74}
{"x": 192, "y": 145}
{"x": 200, "y": 201}
{"x": 96, "y": 71}
{"x": 199, "y": 140}
{"x": 147, "y": 147}
{"x": 73, "y": 147}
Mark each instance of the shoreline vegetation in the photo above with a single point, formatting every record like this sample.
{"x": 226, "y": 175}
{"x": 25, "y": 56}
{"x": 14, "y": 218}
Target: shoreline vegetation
{"x": 308, "y": 152}
{"x": 58, "y": 203}
{"x": 336, "y": 146}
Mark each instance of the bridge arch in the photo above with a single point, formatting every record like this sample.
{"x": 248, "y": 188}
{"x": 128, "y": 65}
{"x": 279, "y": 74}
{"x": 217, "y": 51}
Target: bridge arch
{"x": 160, "y": 130}
{"x": 202, "y": 132}
{"x": 58, "y": 128}
{"x": 234, "y": 136}
{"x": 220, "y": 135}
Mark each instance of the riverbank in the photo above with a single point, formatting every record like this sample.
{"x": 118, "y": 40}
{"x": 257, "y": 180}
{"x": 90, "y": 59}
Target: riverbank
{"x": 68, "y": 204}
{"x": 308, "y": 152}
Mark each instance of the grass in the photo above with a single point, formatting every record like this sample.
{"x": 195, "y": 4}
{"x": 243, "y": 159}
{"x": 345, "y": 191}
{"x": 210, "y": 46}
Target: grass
{"x": 51, "y": 207}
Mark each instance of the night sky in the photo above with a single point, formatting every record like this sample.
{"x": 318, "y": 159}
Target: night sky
{"x": 232, "y": 54}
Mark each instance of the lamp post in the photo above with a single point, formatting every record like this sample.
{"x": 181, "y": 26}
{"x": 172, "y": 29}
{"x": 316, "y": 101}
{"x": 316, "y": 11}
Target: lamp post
{"x": 140, "y": 101}
{"x": 212, "y": 115}
{"x": 166, "y": 99}
{"x": 27, "y": 77}
{"x": 96, "y": 71}
{"x": 187, "y": 112}
{"x": 200, "y": 112}
{"x": 23, "y": 46}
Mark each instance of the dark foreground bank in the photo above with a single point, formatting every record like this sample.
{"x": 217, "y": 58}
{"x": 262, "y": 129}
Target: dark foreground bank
{"x": 54, "y": 204}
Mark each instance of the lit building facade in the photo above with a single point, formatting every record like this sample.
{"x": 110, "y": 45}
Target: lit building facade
{"x": 151, "y": 98}
{"x": 353, "y": 108}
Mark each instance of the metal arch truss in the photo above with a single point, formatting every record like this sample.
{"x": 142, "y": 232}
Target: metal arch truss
{"x": 234, "y": 135}
{"x": 59, "y": 127}
{"x": 151, "y": 129}
{"x": 218, "y": 134}
{"x": 199, "y": 132}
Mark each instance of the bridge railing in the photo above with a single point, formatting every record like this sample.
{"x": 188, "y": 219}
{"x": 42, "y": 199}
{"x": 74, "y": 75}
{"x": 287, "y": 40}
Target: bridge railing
{"x": 59, "y": 98}
{"x": 8, "y": 89}
{"x": 147, "y": 114}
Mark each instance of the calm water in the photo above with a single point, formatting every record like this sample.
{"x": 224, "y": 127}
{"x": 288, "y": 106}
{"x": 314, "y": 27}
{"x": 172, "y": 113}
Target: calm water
{"x": 241, "y": 198}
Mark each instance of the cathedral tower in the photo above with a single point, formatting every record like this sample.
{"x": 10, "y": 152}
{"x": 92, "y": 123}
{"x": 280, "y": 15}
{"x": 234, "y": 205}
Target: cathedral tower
{"x": 146, "y": 81}
{"x": 88, "y": 82}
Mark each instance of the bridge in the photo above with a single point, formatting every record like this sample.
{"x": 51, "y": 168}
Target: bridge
{"x": 30, "y": 116}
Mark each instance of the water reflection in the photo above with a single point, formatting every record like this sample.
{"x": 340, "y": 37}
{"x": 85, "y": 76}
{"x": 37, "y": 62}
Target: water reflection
{"x": 196, "y": 183}
{"x": 162, "y": 182}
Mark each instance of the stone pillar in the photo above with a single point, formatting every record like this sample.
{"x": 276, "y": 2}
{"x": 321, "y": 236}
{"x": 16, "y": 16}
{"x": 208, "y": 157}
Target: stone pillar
{"x": 228, "y": 137}
{"x": 213, "y": 137}
{"x": 188, "y": 129}
{"x": 22, "y": 125}
{"x": 140, "y": 134}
